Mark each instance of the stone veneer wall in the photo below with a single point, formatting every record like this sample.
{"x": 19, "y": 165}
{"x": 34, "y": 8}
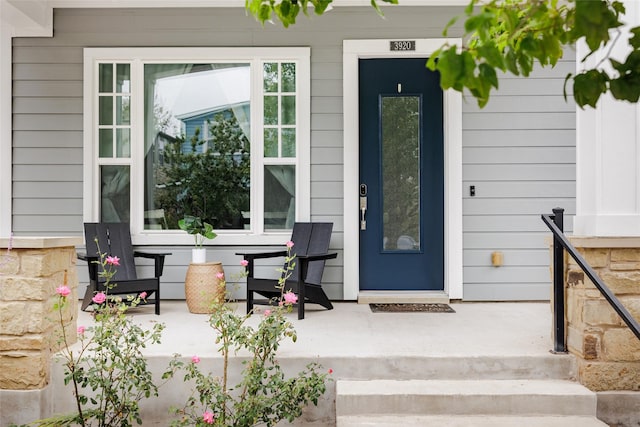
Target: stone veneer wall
{"x": 608, "y": 352}
{"x": 30, "y": 329}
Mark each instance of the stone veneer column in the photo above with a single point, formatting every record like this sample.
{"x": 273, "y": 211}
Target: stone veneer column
{"x": 30, "y": 329}
{"x": 608, "y": 352}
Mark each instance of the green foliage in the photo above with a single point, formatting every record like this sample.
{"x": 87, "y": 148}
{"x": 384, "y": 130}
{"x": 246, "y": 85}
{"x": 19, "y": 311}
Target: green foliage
{"x": 286, "y": 11}
{"x": 511, "y": 36}
{"x": 264, "y": 395}
{"x": 200, "y": 230}
{"x": 211, "y": 183}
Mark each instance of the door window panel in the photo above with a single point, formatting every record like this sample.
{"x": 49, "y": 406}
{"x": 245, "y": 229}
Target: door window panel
{"x": 279, "y": 197}
{"x": 400, "y": 123}
{"x": 114, "y": 193}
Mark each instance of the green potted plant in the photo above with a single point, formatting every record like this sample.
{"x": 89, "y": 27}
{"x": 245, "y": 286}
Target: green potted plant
{"x": 201, "y": 230}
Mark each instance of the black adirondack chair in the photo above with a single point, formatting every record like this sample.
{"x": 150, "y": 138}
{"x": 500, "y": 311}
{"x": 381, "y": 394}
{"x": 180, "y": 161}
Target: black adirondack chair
{"x": 114, "y": 239}
{"x": 311, "y": 245}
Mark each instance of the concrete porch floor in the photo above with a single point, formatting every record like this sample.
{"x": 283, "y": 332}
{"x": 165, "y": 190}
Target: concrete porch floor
{"x": 352, "y": 330}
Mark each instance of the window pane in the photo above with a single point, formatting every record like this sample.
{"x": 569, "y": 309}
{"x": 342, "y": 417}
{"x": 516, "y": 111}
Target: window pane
{"x": 270, "y": 77}
{"x": 288, "y": 110}
{"x": 401, "y": 172}
{"x": 288, "y": 142}
{"x": 288, "y": 77}
{"x": 122, "y": 110}
{"x": 189, "y": 107}
{"x": 114, "y": 193}
{"x": 123, "y": 79}
{"x": 271, "y": 142}
{"x": 123, "y": 146}
{"x": 270, "y": 110}
{"x": 105, "y": 142}
{"x": 279, "y": 197}
{"x": 106, "y": 110}
{"x": 105, "y": 77}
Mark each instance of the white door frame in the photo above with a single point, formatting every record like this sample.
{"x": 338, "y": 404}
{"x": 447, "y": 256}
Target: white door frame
{"x": 352, "y": 51}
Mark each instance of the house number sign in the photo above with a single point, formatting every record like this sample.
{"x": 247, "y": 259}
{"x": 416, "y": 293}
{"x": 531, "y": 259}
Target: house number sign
{"x": 402, "y": 45}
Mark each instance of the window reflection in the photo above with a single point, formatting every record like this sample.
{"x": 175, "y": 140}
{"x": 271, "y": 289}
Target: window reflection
{"x": 197, "y": 130}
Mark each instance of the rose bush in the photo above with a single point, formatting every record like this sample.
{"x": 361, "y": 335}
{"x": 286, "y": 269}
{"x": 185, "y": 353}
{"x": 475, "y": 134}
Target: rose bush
{"x": 264, "y": 395}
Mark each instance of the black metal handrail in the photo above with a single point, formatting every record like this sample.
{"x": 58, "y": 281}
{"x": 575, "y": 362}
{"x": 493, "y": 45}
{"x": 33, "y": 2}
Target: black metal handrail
{"x": 560, "y": 242}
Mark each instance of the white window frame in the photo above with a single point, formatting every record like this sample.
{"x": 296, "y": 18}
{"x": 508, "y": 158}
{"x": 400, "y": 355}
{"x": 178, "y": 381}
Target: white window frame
{"x": 254, "y": 56}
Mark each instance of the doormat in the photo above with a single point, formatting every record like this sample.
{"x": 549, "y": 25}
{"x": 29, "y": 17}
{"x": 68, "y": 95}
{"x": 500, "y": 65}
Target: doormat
{"x": 411, "y": 308}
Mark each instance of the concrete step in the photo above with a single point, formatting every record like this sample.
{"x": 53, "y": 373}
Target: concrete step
{"x": 466, "y": 421}
{"x": 451, "y": 367}
{"x": 464, "y": 397}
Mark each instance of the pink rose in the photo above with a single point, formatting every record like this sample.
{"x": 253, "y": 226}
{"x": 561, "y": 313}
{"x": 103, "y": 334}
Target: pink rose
{"x": 244, "y": 263}
{"x": 99, "y": 298}
{"x": 63, "y": 291}
{"x": 267, "y": 313}
{"x": 290, "y": 298}
{"x": 330, "y": 371}
{"x": 289, "y": 244}
{"x": 208, "y": 417}
{"x": 143, "y": 295}
{"x": 195, "y": 359}
{"x": 81, "y": 330}
{"x": 113, "y": 260}
{"x": 220, "y": 275}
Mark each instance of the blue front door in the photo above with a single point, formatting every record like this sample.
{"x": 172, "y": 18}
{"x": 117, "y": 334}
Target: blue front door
{"x": 401, "y": 176}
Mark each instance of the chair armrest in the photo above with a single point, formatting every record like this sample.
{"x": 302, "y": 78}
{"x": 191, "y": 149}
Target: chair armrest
{"x": 92, "y": 263}
{"x": 306, "y": 259}
{"x": 250, "y": 257}
{"x": 317, "y": 257}
{"x": 258, "y": 255}
{"x": 158, "y": 260}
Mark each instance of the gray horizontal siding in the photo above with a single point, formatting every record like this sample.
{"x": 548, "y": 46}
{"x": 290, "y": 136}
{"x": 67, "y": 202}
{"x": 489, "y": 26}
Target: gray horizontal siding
{"x": 519, "y": 257}
{"x": 520, "y": 121}
{"x": 521, "y": 206}
{"x": 518, "y": 152}
{"x": 519, "y": 138}
{"x": 519, "y": 155}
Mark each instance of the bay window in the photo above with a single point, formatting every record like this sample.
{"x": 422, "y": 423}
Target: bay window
{"x": 218, "y": 133}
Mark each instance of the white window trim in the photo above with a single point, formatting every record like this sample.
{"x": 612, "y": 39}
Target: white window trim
{"x": 140, "y": 236}
{"x": 353, "y": 50}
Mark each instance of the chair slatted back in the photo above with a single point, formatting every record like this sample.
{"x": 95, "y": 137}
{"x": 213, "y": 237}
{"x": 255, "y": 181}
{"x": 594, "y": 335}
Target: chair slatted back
{"x": 311, "y": 238}
{"x": 114, "y": 239}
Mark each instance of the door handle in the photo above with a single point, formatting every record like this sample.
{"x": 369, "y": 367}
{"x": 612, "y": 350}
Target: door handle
{"x": 363, "y": 206}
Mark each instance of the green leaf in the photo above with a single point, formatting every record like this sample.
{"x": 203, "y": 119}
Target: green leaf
{"x": 450, "y": 24}
{"x": 634, "y": 41}
{"x": 511, "y": 62}
{"x": 589, "y": 86}
{"x": 593, "y": 20}
{"x": 490, "y": 52}
{"x": 455, "y": 68}
{"x": 564, "y": 86}
{"x": 488, "y": 74}
{"x": 469, "y": 9}
{"x": 626, "y": 88}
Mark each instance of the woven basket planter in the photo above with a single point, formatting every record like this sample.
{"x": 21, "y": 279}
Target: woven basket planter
{"x": 202, "y": 288}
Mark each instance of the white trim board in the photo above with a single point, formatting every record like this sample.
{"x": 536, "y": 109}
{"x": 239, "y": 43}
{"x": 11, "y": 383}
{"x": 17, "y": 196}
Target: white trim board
{"x": 5, "y": 126}
{"x": 353, "y": 50}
